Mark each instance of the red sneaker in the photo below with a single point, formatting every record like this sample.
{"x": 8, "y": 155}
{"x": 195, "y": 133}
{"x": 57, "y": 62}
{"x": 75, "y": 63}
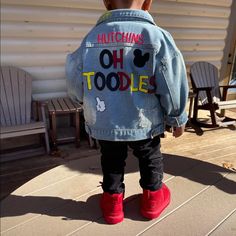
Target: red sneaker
{"x": 112, "y": 207}
{"x": 154, "y": 202}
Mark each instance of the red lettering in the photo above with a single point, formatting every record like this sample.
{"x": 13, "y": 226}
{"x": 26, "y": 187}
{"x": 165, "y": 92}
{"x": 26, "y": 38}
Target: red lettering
{"x": 118, "y": 37}
{"x": 135, "y": 38}
{"x": 124, "y": 81}
{"x": 112, "y": 37}
{"x": 125, "y": 38}
{"x": 100, "y": 38}
{"x": 105, "y": 38}
{"x": 141, "y": 39}
{"x": 109, "y": 37}
{"x": 117, "y": 59}
{"x": 152, "y": 82}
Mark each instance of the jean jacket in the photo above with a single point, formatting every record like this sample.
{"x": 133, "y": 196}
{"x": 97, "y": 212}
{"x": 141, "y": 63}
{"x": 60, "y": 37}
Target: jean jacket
{"x": 130, "y": 77}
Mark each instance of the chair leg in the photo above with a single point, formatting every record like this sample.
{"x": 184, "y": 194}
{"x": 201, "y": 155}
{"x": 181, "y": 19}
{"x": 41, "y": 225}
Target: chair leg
{"x": 195, "y": 110}
{"x": 213, "y": 117}
{"x": 54, "y": 129}
{"x": 77, "y": 128}
{"x": 190, "y": 108}
{"x": 47, "y": 142}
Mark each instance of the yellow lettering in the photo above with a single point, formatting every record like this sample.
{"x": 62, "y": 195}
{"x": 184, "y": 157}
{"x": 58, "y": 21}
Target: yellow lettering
{"x": 142, "y": 83}
{"x": 132, "y": 83}
{"x": 88, "y": 77}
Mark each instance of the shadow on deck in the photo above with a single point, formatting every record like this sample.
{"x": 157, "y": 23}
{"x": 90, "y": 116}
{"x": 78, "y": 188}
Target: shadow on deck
{"x": 64, "y": 200}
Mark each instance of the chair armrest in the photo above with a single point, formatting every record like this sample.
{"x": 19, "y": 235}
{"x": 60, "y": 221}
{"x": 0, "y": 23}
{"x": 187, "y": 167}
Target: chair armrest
{"x": 225, "y": 90}
{"x": 227, "y": 86}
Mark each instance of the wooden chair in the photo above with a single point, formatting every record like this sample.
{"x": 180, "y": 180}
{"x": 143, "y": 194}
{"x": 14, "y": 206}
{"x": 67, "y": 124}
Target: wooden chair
{"x": 16, "y": 106}
{"x": 205, "y": 83}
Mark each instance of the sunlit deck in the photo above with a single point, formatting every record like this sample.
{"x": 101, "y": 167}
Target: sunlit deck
{"x": 199, "y": 170}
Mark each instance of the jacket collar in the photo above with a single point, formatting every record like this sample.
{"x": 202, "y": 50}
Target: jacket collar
{"x": 126, "y": 14}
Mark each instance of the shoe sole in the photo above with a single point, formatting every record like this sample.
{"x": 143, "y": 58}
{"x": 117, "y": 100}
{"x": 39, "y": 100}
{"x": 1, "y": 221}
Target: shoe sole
{"x": 114, "y": 220}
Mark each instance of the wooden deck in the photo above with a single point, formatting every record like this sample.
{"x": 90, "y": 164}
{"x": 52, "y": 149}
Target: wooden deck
{"x": 199, "y": 170}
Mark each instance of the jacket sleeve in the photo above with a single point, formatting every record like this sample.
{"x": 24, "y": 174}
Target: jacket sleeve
{"x": 74, "y": 67}
{"x": 172, "y": 88}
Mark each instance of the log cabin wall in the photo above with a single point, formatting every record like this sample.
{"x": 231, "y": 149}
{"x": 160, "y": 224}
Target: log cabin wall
{"x": 37, "y": 35}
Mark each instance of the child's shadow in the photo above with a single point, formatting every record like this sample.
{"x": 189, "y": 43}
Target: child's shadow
{"x": 67, "y": 209}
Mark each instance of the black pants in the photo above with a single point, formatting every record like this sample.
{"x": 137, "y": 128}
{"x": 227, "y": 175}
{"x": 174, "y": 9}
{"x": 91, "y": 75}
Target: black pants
{"x": 113, "y": 159}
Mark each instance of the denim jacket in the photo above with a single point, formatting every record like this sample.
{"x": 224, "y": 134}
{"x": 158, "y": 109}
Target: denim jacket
{"x": 130, "y": 77}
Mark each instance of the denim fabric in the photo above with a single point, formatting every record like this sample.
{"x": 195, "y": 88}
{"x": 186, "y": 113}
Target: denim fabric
{"x": 113, "y": 163}
{"x": 130, "y": 77}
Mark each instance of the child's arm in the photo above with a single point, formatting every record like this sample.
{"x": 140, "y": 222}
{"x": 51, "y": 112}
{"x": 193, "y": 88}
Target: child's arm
{"x": 172, "y": 90}
{"x": 74, "y": 77}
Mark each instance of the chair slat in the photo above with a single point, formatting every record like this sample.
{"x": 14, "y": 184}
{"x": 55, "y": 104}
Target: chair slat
{"x": 2, "y": 116}
{"x": 28, "y": 95}
{"x": 17, "y": 128}
{"x": 69, "y": 103}
{"x": 4, "y": 108}
{"x": 50, "y": 106}
{"x": 203, "y": 80}
{"x": 7, "y": 99}
{"x": 56, "y": 105}
{"x": 63, "y": 104}
{"x": 22, "y": 98}
{"x": 16, "y": 97}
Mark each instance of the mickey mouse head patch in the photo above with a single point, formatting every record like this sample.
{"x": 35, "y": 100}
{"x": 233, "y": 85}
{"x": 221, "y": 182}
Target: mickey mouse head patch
{"x": 139, "y": 59}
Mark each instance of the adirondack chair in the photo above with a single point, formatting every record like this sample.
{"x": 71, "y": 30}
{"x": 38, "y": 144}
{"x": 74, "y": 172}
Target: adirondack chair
{"x": 205, "y": 83}
{"x": 16, "y": 106}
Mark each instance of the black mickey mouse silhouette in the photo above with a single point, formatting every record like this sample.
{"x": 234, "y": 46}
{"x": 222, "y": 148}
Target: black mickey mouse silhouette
{"x": 139, "y": 59}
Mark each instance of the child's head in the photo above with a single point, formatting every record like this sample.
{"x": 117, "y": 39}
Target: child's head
{"x": 128, "y": 4}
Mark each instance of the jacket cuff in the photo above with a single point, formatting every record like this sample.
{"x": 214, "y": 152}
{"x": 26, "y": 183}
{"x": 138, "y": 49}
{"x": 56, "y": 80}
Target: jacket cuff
{"x": 177, "y": 121}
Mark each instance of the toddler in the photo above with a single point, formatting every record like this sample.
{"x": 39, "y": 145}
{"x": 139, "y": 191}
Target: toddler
{"x": 131, "y": 79}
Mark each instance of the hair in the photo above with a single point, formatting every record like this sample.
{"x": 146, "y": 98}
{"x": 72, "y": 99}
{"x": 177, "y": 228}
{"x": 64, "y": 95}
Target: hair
{"x": 116, "y": 4}
{"x": 125, "y": 3}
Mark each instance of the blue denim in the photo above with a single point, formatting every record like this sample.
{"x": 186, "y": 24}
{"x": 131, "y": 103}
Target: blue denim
{"x": 130, "y": 77}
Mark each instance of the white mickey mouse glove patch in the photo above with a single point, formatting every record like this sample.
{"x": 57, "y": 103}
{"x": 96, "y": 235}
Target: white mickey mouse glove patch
{"x": 100, "y": 105}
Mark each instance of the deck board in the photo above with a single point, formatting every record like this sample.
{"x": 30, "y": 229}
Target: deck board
{"x": 65, "y": 199}
{"x": 211, "y": 202}
{"x": 227, "y": 227}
